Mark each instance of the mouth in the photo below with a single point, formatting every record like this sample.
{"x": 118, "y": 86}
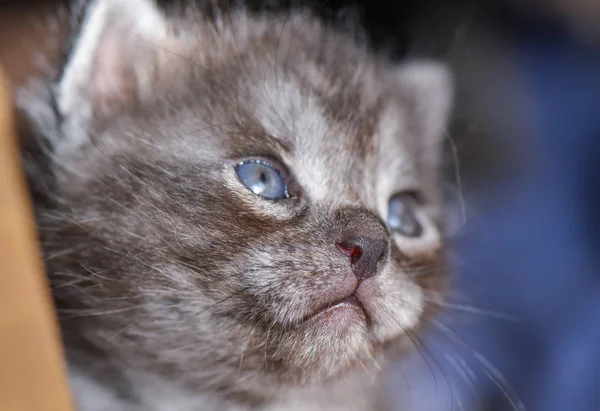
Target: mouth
{"x": 347, "y": 307}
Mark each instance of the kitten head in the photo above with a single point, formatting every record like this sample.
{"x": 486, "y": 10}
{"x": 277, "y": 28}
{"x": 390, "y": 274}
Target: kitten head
{"x": 242, "y": 201}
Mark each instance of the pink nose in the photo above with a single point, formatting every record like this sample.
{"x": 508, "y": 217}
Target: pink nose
{"x": 351, "y": 251}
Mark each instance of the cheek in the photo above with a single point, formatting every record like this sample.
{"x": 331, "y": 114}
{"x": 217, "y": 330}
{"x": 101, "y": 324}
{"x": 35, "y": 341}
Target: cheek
{"x": 431, "y": 274}
{"x": 394, "y": 303}
{"x": 427, "y": 269}
{"x": 400, "y": 297}
{"x": 291, "y": 279}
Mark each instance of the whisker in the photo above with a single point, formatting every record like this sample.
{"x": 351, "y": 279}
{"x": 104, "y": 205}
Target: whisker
{"x": 266, "y": 346}
{"x": 423, "y": 352}
{"x": 464, "y": 372}
{"x": 458, "y": 178}
{"x": 470, "y": 309}
{"x": 246, "y": 347}
{"x": 453, "y": 394}
{"x": 494, "y": 375}
{"x": 75, "y": 313}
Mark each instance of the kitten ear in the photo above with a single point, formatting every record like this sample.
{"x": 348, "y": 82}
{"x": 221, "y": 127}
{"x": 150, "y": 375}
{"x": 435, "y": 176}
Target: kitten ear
{"x": 113, "y": 59}
{"x": 428, "y": 87}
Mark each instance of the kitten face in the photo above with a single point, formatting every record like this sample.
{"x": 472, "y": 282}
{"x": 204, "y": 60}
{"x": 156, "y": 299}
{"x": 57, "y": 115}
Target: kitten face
{"x": 162, "y": 257}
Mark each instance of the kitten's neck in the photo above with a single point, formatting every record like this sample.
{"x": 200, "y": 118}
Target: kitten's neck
{"x": 355, "y": 392}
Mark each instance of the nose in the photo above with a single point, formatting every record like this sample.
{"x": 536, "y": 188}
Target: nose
{"x": 365, "y": 254}
{"x": 363, "y": 239}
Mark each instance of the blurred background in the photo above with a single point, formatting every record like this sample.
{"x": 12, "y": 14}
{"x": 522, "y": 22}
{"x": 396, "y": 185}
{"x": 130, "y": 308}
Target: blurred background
{"x": 521, "y": 330}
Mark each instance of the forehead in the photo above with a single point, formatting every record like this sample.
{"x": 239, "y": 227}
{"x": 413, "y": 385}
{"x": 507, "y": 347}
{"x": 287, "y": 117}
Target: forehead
{"x": 322, "y": 106}
{"x": 345, "y": 136}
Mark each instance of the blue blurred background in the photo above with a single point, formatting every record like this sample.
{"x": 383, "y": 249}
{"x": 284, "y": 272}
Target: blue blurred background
{"x": 522, "y": 326}
{"x": 527, "y": 261}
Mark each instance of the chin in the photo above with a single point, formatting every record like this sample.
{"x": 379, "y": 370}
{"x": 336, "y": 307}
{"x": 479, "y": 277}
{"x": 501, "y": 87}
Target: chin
{"x": 330, "y": 344}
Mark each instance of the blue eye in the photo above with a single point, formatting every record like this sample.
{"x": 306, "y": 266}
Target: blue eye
{"x": 262, "y": 179}
{"x": 402, "y": 217}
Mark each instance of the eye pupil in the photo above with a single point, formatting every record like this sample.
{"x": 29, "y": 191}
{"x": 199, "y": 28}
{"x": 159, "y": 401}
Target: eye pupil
{"x": 402, "y": 216}
{"x": 262, "y": 179}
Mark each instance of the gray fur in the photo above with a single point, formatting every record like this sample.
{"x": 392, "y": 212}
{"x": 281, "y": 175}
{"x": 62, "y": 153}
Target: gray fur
{"x": 179, "y": 289}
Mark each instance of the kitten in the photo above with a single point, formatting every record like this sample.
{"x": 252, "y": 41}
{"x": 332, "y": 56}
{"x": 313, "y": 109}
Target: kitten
{"x": 238, "y": 210}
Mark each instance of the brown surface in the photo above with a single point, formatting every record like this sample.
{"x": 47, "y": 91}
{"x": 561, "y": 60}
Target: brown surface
{"x": 25, "y": 36}
{"x": 32, "y": 370}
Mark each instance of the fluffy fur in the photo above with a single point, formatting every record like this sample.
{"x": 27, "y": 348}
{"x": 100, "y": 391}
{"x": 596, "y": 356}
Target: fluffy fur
{"x": 177, "y": 287}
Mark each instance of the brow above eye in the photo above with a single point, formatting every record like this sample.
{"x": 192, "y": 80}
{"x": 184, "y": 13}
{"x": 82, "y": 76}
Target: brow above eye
{"x": 284, "y": 144}
{"x": 248, "y": 145}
